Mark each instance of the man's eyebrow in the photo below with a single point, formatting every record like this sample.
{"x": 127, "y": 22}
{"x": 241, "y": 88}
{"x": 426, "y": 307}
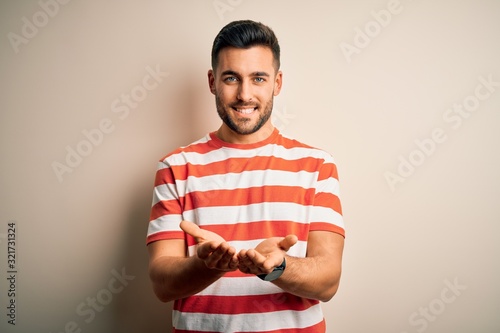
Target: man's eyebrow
{"x": 260, "y": 74}
{"x": 231, "y": 72}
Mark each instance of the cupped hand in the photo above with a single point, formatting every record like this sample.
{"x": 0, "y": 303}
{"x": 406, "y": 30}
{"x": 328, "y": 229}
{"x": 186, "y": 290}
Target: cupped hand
{"x": 212, "y": 248}
{"x": 266, "y": 256}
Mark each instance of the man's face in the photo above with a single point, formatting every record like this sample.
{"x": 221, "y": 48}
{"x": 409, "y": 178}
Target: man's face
{"x": 244, "y": 84}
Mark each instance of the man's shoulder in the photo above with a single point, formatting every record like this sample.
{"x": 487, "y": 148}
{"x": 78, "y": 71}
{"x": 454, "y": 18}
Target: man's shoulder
{"x": 199, "y": 146}
{"x": 294, "y": 144}
{"x": 291, "y": 142}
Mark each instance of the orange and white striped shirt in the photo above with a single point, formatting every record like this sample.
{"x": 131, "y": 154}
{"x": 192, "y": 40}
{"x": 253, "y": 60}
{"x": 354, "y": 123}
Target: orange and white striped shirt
{"x": 246, "y": 193}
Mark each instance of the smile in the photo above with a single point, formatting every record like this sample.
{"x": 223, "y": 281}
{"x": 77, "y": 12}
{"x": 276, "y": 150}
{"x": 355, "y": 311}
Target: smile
{"x": 245, "y": 110}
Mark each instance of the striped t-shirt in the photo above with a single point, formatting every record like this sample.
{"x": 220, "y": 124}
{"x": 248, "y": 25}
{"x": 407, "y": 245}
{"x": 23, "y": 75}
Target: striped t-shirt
{"x": 246, "y": 193}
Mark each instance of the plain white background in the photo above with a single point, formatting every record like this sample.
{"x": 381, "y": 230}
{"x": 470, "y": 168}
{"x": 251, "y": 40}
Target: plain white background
{"x": 368, "y": 81}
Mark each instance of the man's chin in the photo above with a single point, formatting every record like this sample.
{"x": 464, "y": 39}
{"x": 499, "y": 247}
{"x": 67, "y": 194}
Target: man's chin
{"x": 243, "y": 131}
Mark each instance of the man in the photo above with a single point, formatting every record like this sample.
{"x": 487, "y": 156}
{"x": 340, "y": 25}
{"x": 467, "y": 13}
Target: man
{"x": 246, "y": 232}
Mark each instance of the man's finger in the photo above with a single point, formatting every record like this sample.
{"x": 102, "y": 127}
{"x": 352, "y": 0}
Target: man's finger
{"x": 287, "y": 242}
{"x": 191, "y": 229}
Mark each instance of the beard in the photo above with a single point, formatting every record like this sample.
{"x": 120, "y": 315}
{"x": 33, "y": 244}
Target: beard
{"x": 243, "y": 126}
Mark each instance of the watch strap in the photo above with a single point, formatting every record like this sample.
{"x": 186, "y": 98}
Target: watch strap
{"x": 276, "y": 273}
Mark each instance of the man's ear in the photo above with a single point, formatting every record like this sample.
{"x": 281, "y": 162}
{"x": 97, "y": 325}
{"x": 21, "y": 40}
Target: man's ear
{"x": 211, "y": 81}
{"x": 278, "y": 82}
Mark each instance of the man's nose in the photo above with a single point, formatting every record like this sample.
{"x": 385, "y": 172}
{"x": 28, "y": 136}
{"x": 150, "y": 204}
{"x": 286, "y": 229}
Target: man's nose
{"x": 245, "y": 91}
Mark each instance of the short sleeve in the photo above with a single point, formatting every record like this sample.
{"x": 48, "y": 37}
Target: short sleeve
{"x": 166, "y": 209}
{"x": 326, "y": 212}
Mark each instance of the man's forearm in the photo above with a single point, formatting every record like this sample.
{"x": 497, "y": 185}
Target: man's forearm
{"x": 178, "y": 277}
{"x": 310, "y": 277}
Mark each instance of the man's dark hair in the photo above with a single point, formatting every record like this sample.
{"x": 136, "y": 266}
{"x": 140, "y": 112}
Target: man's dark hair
{"x": 243, "y": 35}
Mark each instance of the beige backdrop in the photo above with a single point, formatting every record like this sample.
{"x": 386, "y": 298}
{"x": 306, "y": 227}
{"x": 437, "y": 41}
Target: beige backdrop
{"x": 405, "y": 95}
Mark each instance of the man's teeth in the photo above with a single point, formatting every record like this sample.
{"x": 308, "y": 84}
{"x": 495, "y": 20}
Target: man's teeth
{"x": 246, "y": 111}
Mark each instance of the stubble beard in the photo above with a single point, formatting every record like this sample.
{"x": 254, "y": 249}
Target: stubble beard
{"x": 242, "y": 127}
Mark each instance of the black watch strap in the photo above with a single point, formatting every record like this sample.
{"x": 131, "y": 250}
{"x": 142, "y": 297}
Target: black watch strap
{"x": 276, "y": 273}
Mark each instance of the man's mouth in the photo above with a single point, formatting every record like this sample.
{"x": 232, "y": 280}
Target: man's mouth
{"x": 244, "y": 110}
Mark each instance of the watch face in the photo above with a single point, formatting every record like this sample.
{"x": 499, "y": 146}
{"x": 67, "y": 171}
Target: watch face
{"x": 274, "y": 275}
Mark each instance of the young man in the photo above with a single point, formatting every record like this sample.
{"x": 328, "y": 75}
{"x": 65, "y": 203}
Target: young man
{"x": 246, "y": 231}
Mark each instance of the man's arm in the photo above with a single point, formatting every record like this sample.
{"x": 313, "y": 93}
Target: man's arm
{"x": 176, "y": 276}
{"x": 316, "y": 276}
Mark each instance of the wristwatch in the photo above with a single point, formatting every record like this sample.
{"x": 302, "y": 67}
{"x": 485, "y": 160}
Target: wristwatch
{"x": 276, "y": 273}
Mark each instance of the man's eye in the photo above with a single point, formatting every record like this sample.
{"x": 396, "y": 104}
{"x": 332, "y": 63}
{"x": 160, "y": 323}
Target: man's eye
{"x": 230, "y": 79}
{"x": 259, "y": 79}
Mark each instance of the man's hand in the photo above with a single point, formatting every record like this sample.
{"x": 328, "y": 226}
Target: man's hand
{"x": 212, "y": 248}
{"x": 266, "y": 256}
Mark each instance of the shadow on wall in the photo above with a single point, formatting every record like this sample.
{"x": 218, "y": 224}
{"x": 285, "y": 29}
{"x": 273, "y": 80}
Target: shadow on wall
{"x": 137, "y": 309}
